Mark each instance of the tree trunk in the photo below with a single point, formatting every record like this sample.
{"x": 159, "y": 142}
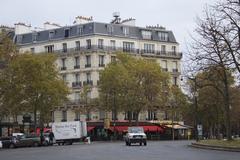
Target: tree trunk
{"x": 35, "y": 119}
{"x": 227, "y": 106}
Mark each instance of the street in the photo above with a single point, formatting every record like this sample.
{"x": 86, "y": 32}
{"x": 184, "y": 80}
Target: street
{"x": 155, "y": 150}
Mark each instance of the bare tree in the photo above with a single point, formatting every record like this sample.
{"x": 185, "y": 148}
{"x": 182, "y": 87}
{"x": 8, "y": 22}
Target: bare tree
{"x": 213, "y": 48}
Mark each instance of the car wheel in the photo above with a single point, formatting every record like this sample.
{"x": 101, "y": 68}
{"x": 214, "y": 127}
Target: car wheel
{"x": 126, "y": 143}
{"x": 35, "y": 144}
{"x": 11, "y": 146}
{"x": 140, "y": 143}
{"x": 145, "y": 143}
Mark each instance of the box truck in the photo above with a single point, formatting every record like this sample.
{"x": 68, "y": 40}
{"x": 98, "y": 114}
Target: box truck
{"x": 69, "y": 132}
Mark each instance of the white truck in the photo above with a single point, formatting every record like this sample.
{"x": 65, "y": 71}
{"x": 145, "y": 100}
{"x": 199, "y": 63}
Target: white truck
{"x": 69, "y": 132}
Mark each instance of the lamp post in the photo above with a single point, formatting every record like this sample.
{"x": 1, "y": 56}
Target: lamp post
{"x": 195, "y": 106}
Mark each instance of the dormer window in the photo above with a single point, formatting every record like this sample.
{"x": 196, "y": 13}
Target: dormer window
{"x": 163, "y": 36}
{"x": 80, "y": 30}
{"x": 66, "y": 32}
{"x": 146, "y": 34}
{"x": 110, "y": 29}
{"x": 126, "y": 31}
{"x": 34, "y": 37}
{"x": 51, "y": 34}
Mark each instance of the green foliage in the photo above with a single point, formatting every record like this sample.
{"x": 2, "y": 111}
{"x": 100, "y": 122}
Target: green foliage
{"x": 30, "y": 83}
{"x": 133, "y": 84}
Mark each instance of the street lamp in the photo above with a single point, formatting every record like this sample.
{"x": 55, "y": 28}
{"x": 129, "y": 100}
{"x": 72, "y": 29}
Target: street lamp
{"x": 196, "y": 107}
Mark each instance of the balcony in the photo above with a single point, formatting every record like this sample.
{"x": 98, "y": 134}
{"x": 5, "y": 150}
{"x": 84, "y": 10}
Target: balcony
{"x": 164, "y": 69}
{"x": 76, "y": 84}
{"x": 101, "y": 65}
{"x": 76, "y": 66}
{"x": 87, "y": 65}
{"x": 63, "y": 68}
{"x": 94, "y": 48}
{"x": 88, "y": 82}
{"x": 174, "y": 70}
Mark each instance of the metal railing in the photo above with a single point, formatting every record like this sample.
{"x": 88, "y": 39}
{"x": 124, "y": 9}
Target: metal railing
{"x": 95, "y": 48}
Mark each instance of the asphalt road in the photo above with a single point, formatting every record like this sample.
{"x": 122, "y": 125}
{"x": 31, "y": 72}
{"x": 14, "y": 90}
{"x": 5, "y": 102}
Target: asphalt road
{"x": 155, "y": 150}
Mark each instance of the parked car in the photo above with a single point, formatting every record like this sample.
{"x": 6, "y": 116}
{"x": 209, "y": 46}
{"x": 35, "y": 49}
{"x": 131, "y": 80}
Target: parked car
{"x": 24, "y": 141}
{"x": 135, "y": 135}
{"x": 6, "y": 141}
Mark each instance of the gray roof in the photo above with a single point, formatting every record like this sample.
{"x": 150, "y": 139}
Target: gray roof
{"x": 93, "y": 28}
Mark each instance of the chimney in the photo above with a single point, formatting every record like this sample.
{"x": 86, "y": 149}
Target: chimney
{"x": 48, "y": 25}
{"x": 21, "y": 28}
{"x": 82, "y": 20}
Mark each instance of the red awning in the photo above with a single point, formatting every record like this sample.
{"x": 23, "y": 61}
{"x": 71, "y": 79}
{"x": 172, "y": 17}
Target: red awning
{"x": 90, "y": 128}
{"x": 152, "y": 129}
{"x": 146, "y": 128}
{"x": 119, "y": 128}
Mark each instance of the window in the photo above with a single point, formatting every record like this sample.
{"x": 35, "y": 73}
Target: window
{"x": 174, "y": 49}
{"x": 163, "y": 36}
{"x": 77, "y": 116}
{"x": 146, "y": 34}
{"x": 49, "y": 48}
{"x": 130, "y": 115}
{"x": 64, "y": 47}
{"x": 163, "y": 49}
{"x": 77, "y": 63}
{"x": 51, "y": 34}
{"x": 88, "y": 75}
{"x": 88, "y": 61}
{"x": 175, "y": 66}
{"x": 77, "y": 77}
{"x": 89, "y": 44}
{"x": 100, "y": 43}
{"x": 110, "y": 29}
{"x": 64, "y": 116}
{"x": 151, "y": 115}
{"x": 175, "y": 80}
{"x": 34, "y": 37}
{"x": 113, "y": 58}
{"x": 63, "y": 61}
{"x": 77, "y": 43}
{"x": 113, "y": 44}
{"x": 128, "y": 46}
{"x": 149, "y": 48}
{"x": 32, "y": 50}
{"x": 66, "y": 33}
{"x": 77, "y": 96}
{"x": 101, "y": 61}
{"x": 64, "y": 77}
{"x": 80, "y": 30}
{"x": 52, "y": 116}
{"x": 101, "y": 115}
{"x": 19, "y": 38}
{"x": 125, "y": 31}
{"x": 164, "y": 65}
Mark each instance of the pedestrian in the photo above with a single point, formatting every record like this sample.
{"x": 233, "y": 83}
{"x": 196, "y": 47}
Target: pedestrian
{"x": 51, "y": 137}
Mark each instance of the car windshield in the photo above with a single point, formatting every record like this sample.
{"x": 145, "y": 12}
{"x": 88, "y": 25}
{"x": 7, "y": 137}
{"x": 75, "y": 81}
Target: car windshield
{"x": 135, "y": 130}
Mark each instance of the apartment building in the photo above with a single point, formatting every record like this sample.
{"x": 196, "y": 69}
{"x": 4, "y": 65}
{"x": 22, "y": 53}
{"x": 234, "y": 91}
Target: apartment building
{"x": 86, "y": 47}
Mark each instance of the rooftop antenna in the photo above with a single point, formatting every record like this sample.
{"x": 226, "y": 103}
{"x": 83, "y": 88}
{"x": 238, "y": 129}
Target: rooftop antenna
{"x": 117, "y": 20}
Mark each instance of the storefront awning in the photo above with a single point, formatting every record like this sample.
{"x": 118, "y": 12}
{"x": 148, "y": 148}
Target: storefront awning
{"x": 146, "y": 128}
{"x": 152, "y": 129}
{"x": 90, "y": 128}
{"x": 176, "y": 126}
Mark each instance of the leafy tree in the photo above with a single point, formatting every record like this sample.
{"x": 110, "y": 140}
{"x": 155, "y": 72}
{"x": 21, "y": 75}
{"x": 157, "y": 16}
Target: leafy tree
{"x": 30, "y": 83}
{"x": 133, "y": 84}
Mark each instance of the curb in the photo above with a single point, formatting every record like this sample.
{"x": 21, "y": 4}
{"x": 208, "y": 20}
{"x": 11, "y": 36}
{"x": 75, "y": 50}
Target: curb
{"x": 219, "y": 148}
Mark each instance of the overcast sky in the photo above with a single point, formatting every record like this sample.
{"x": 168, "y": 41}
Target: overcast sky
{"x": 176, "y": 15}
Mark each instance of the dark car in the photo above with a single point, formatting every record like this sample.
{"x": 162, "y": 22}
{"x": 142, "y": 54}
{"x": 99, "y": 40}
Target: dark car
{"x": 6, "y": 141}
{"x": 20, "y": 141}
